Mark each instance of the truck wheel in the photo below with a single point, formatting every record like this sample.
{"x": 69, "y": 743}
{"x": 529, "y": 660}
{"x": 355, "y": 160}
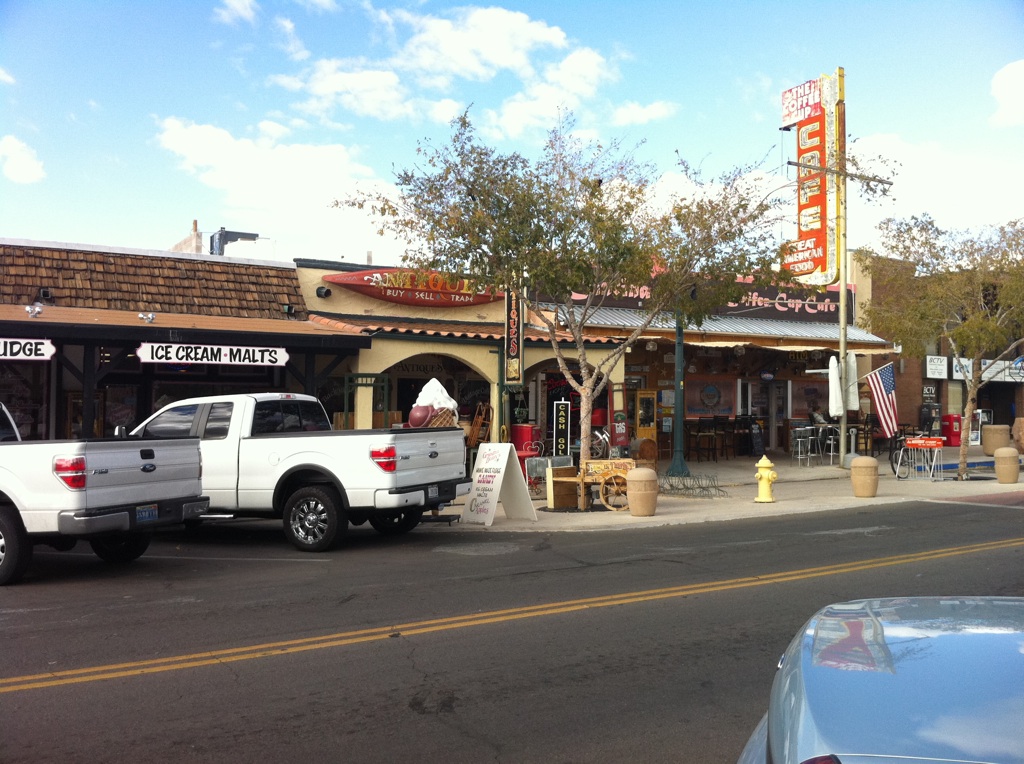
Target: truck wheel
{"x": 396, "y": 525}
{"x": 121, "y": 548}
{"x": 15, "y": 548}
{"x": 314, "y": 519}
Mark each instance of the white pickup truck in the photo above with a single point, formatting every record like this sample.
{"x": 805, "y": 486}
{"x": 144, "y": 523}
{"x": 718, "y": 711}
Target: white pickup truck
{"x": 111, "y": 492}
{"x": 275, "y": 455}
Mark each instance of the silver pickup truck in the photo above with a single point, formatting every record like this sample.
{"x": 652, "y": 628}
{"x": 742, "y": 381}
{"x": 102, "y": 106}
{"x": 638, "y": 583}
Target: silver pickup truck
{"x": 111, "y": 492}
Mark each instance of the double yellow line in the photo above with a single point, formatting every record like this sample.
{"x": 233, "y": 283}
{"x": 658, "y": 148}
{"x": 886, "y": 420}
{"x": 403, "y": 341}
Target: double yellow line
{"x": 270, "y": 649}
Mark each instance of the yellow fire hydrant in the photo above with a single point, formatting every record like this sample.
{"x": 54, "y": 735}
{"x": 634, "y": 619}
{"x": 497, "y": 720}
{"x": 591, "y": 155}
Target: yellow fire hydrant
{"x": 765, "y": 477}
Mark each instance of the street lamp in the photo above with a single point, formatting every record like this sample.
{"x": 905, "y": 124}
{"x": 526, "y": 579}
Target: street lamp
{"x": 678, "y": 466}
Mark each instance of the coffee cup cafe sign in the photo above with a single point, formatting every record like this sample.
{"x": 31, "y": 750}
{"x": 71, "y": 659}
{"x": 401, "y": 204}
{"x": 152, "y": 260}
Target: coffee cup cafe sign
{"x": 231, "y": 355}
{"x": 26, "y": 350}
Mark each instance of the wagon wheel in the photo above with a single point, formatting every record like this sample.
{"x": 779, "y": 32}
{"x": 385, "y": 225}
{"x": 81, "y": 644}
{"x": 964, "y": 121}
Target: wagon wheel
{"x": 613, "y": 492}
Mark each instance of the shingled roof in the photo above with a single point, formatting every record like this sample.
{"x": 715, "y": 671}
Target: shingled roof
{"x": 82, "y": 276}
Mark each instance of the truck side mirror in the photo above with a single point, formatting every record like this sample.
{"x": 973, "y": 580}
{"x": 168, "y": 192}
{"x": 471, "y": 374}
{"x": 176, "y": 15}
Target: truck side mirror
{"x": 121, "y": 432}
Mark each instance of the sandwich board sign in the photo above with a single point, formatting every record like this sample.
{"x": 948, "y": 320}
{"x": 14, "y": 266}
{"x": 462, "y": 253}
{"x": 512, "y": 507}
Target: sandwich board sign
{"x": 497, "y": 477}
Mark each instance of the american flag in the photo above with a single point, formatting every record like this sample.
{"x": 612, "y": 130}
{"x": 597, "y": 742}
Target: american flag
{"x": 883, "y": 389}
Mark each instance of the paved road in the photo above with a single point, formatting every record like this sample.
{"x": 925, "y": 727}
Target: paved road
{"x": 653, "y": 644}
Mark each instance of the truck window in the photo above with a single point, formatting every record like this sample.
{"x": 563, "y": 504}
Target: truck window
{"x": 313, "y": 416}
{"x": 218, "y": 421}
{"x": 291, "y": 419}
{"x": 173, "y": 423}
{"x": 7, "y": 431}
{"x": 267, "y": 417}
{"x": 289, "y": 416}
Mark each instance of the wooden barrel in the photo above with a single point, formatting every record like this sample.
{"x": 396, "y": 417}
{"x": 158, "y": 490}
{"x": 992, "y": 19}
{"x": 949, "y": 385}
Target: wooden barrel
{"x": 643, "y": 449}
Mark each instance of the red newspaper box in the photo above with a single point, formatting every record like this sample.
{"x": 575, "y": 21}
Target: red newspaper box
{"x": 951, "y": 429}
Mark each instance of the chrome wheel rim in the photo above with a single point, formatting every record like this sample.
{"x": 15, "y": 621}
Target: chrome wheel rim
{"x": 309, "y": 521}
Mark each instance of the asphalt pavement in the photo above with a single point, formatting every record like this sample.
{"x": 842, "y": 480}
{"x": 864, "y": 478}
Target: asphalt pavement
{"x": 730, "y": 486}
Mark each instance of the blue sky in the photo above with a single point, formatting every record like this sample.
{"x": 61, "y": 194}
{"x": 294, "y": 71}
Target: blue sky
{"x": 122, "y": 122}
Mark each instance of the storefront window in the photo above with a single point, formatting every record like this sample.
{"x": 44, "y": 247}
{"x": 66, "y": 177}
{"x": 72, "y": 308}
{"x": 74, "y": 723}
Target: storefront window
{"x": 23, "y": 389}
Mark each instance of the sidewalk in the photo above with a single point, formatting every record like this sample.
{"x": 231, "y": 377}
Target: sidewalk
{"x": 798, "y": 489}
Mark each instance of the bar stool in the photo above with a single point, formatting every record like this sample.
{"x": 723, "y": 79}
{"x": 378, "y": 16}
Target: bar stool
{"x": 829, "y": 444}
{"x": 801, "y": 445}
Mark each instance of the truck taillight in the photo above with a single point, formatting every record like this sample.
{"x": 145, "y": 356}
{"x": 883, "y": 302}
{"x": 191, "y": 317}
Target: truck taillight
{"x": 71, "y": 471}
{"x": 385, "y": 457}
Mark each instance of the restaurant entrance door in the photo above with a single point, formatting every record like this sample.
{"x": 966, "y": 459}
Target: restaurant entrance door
{"x": 768, "y": 402}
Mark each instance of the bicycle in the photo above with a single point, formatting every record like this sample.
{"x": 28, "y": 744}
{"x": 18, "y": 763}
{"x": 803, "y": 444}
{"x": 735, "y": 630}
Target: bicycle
{"x": 600, "y": 444}
{"x": 899, "y": 458}
{"x": 922, "y": 459}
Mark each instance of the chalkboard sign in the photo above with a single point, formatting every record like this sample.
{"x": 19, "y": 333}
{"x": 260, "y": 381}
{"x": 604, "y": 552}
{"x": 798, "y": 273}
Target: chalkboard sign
{"x": 756, "y": 440}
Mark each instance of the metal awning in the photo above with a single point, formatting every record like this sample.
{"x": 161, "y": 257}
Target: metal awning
{"x": 732, "y": 331}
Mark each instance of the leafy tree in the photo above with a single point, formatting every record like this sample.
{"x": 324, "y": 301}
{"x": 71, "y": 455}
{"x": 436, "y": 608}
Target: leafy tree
{"x": 967, "y": 290}
{"x": 575, "y": 228}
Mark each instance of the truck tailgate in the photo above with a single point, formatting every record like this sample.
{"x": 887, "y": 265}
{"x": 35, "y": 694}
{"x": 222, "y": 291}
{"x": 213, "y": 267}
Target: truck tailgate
{"x": 430, "y": 455}
{"x": 128, "y": 471}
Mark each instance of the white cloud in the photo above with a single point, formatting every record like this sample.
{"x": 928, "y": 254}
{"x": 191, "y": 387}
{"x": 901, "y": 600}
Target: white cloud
{"x": 476, "y": 44}
{"x": 960, "y": 190}
{"x": 565, "y": 85}
{"x": 281, "y": 191}
{"x": 292, "y": 45}
{"x": 1008, "y": 90}
{"x": 632, "y": 113}
{"x": 233, "y": 10}
{"x": 5, "y": 77}
{"x": 319, "y": 6}
{"x": 19, "y": 161}
{"x": 374, "y": 93}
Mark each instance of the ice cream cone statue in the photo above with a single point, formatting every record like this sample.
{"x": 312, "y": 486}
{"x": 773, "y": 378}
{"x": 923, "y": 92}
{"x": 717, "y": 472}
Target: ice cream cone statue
{"x": 434, "y": 407}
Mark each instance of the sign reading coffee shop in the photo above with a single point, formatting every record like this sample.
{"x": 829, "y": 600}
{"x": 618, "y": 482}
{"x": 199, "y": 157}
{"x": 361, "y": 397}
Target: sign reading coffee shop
{"x": 26, "y": 350}
{"x": 407, "y": 286}
{"x": 231, "y": 355}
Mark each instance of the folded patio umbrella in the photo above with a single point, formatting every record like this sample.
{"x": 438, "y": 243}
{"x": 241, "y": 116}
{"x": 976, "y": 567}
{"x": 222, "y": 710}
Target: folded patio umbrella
{"x": 835, "y": 391}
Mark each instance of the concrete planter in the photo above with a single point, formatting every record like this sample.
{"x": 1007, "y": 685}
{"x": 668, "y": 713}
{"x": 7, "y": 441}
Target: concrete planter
{"x": 994, "y": 436}
{"x": 642, "y": 491}
{"x": 864, "y": 476}
{"x": 1007, "y": 465}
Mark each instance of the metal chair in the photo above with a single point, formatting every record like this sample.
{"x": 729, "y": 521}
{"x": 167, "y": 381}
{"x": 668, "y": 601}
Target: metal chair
{"x": 828, "y": 443}
{"x": 706, "y": 439}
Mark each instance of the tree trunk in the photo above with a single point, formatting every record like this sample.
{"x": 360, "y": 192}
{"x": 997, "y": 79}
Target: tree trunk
{"x": 586, "y": 408}
{"x": 969, "y": 409}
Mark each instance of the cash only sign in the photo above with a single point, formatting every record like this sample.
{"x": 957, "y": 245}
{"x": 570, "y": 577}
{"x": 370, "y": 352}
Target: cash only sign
{"x": 817, "y": 110}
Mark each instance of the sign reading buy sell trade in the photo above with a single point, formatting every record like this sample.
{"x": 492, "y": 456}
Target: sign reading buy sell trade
{"x": 407, "y": 286}
{"x": 816, "y": 108}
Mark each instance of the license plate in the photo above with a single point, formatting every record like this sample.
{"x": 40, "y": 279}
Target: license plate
{"x": 146, "y": 514}
{"x": 431, "y": 491}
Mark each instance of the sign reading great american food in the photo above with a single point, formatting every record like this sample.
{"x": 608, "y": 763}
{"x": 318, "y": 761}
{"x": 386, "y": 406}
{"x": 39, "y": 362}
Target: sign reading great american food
{"x": 407, "y": 286}
{"x": 231, "y": 355}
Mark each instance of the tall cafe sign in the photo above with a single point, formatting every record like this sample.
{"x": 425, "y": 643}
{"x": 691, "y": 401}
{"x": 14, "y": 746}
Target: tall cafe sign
{"x": 817, "y": 109}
